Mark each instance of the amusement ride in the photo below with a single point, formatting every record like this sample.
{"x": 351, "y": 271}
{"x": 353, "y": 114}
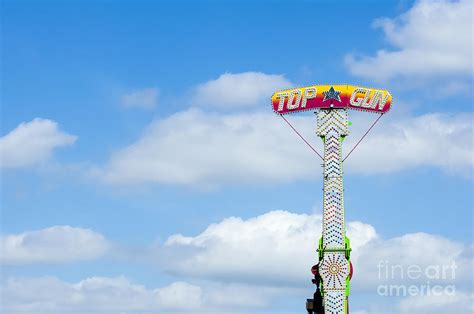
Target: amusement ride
{"x": 331, "y": 103}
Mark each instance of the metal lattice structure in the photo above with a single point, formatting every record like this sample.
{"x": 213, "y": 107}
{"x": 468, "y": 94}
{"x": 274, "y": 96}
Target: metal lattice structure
{"x": 334, "y": 265}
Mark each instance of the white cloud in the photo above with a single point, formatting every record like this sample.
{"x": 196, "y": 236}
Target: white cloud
{"x": 278, "y": 248}
{"x": 459, "y": 303}
{"x": 52, "y": 245}
{"x": 436, "y": 139}
{"x": 193, "y": 147}
{"x": 432, "y": 39}
{"x": 100, "y": 294}
{"x": 197, "y": 148}
{"x": 32, "y": 142}
{"x": 247, "y": 264}
{"x": 238, "y": 90}
{"x": 383, "y": 262}
{"x": 145, "y": 98}
{"x": 94, "y": 294}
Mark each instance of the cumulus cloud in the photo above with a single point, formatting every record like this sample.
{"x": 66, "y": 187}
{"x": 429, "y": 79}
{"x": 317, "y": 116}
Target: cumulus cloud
{"x": 432, "y": 39}
{"x": 145, "y": 98}
{"x": 435, "y": 139}
{"x": 459, "y": 303}
{"x": 197, "y": 148}
{"x": 94, "y": 294}
{"x": 238, "y": 90}
{"x": 193, "y": 147}
{"x": 100, "y": 294}
{"x": 32, "y": 142}
{"x": 390, "y": 262}
{"x": 52, "y": 245}
{"x": 279, "y": 247}
{"x": 249, "y": 263}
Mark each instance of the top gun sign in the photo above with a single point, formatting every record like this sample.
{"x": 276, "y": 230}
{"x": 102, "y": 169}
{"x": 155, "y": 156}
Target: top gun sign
{"x": 331, "y": 96}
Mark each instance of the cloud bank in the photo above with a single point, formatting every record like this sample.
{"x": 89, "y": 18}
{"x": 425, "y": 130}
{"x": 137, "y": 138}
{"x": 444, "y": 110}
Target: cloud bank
{"x": 118, "y": 294}
{"x": 278, "y": 248}
{"x": 247, "y": 264}
{"x": 198, "y": 148}
{"x": 433, "y": 39}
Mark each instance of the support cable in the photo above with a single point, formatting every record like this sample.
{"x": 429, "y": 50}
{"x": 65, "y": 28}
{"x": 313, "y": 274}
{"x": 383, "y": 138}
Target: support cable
{"x": 375, "y": 122}
{"x": 301, "y": 136}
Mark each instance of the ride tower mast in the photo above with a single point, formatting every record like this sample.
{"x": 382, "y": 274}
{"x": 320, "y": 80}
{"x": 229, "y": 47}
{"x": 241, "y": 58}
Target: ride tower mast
{"x": 334, "y": 269}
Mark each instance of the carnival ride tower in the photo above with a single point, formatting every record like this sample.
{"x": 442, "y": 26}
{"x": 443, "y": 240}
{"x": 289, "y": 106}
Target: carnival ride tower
{"x": 334, "y": 269}
{"x": 334, "y": 249}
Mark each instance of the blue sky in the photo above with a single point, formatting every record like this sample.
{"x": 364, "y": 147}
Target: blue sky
{"x": 126, "y": 124}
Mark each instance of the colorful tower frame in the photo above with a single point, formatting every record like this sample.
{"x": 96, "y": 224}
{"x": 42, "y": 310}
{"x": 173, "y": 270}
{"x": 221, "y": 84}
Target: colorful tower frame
{"x": 333, "y": 272}
{"x": 334, "y": 246}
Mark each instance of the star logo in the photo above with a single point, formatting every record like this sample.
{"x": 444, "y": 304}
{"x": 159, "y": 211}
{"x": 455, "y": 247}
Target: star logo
{"x": 331, "y": 94}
